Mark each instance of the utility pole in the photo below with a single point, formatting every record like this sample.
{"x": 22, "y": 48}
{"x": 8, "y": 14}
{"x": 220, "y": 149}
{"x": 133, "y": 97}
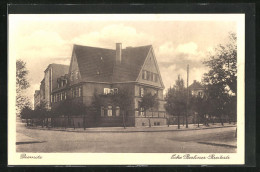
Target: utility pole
{"x": 187, "y": 111}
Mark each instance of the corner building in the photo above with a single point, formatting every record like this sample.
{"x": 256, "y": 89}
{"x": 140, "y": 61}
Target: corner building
{"x": 103, "y": 71}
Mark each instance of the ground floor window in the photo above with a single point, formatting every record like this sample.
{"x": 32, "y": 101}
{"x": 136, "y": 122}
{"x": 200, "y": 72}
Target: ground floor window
{"x": 141, "y": 112}
{"x": 109, "y": 111}
{"x": 117, "y": 111}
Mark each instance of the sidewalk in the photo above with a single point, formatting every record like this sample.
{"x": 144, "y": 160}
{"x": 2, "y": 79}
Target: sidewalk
{"x": 137, "y": 129}
{"x": 23, "y": 139}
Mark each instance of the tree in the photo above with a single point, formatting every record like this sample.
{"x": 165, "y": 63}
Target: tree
{"x": 199, "y": 104}
{"x": 21, "y": 85}
{"x": 123, "y": 99}
{"x": 149, "y": 101}
{"x": 176, "y": 99}
{"x": 41, "y": 112}
{"x": 69, "y": 108}
{"x": 221, "y": 80}
{"x": 223, "y": 65}
{"x": 26, "y": 113}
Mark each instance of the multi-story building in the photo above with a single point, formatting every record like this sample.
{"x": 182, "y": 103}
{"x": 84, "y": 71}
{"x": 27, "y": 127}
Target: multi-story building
{"x": 37, "y": 98}
{"x": 51, "y": 74}
{"x": 103, "y": 71}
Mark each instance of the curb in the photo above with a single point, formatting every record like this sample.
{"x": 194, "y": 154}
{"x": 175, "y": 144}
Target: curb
{"x": 122, "y": 131}
{"x": 218, "y": 144}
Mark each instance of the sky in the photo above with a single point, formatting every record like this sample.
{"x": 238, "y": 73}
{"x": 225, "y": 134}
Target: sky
{"x": 177, "y": 40}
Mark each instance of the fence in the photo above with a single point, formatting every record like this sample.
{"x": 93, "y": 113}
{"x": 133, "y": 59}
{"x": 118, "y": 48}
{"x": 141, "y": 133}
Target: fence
{"x": 151, "y": 114}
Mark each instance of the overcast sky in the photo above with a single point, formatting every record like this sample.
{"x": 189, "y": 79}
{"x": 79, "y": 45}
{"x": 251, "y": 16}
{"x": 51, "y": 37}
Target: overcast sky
{"x": 43, "y": 39}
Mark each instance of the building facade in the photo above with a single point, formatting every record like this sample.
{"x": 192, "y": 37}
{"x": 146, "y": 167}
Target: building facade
{"x": 51, "y": 74}
{"x": 37, "y": 98}
{"x": 196, "y": 89}
{"x": 100, "y": 71}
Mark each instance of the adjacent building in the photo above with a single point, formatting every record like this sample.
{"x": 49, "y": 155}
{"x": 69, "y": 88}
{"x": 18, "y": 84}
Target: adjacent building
{"x": 102, "y": 71}
{"x": 196, "y": 89}
{"x": 37, "y": 98}
{"x": 51, "y": 74}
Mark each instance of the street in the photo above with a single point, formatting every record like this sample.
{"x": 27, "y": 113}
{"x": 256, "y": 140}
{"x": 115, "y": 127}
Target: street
{"x": 218, "y": 140}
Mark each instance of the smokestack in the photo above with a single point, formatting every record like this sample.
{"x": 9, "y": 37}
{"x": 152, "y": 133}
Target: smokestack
{"x": 118, "y": 53}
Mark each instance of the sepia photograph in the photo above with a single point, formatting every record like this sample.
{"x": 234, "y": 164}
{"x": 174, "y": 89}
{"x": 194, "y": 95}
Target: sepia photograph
{"x": 131, "y": 88}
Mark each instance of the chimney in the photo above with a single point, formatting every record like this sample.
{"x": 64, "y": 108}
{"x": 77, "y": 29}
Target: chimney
{"x": 194, "y": 81}
{"x": 118, "y": 53}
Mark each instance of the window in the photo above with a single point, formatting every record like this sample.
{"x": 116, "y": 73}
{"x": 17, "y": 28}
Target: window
{"x": 154, "y": 123}
{"x": 61, "y": 97}
{"x": 102, "y": 111}
{"x": 75, "y": 92}
{"x": 143, "y": 73}
{"x": 156, "y": 78}
{"x": 110, "y": 90}
{"x": 142, "y": 111}
{"x": 71, "y": 76}
{"x": 152, "y": 76}
{"x": 148, "y": 75}
{"x": 109, "y": 111}
{"x": 143, "y": 124}
{"x": 115, "y": 90}
{"x": 141, "y": 91}
{"x": 117, "y": 111}
{"x": 62, "y": 83}
{"x": 77, "y": 75}
{"x": 158, "y": 123}
{"x": 79, "y": 91}
{"x": 106, "y": 90}
{"x": 65, "y": 96}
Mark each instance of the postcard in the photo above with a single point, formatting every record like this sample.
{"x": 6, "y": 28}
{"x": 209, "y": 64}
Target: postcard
{"x": 126, "y": 89}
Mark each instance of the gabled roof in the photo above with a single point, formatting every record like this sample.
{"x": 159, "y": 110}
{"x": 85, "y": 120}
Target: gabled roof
{"x": 196, "y": 86}
{"x": 65, "y": 68}
{"x": 92, "y": 60}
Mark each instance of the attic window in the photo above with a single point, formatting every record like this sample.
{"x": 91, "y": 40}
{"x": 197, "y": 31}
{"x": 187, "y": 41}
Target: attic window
{"x": 77, "y": 75}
